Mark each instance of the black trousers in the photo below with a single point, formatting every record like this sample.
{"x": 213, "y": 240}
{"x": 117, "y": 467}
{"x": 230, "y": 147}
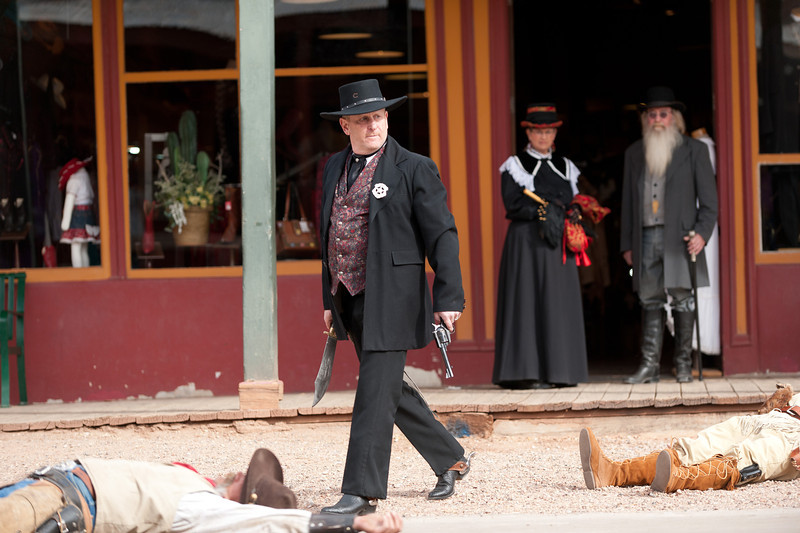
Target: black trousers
{"x": 384, "y": 399}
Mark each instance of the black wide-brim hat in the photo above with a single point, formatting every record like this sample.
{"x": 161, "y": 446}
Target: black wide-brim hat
{"x": 263, "y": 483}
{"x": 362, "y": 97}
{"x": 661, "y": 97}
{"x": 541, "y": 116}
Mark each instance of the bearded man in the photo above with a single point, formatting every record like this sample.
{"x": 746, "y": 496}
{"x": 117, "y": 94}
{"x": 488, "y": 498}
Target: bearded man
{"x": 668, "y": 190}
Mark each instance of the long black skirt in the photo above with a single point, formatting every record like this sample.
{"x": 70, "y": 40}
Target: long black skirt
{"x": 539, "y": 331}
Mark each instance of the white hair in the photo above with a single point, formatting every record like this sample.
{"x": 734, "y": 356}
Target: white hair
{"x": 660, "y": 144}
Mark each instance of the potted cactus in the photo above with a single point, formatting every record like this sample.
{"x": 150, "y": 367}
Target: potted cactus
{"x": 188, "y": 184}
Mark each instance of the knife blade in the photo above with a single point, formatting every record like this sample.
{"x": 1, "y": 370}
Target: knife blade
{"x": 325, "y": 367}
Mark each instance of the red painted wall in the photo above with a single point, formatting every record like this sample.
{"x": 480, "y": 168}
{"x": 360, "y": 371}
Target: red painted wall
{"x": 778, "y": 306}
{"x": 124, "y": 338}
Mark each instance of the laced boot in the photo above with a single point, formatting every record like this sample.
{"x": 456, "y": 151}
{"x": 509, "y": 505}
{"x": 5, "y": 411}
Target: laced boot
{"x": 684, "y": 328}
{"x": 600, "y": 471}
{"x": 652, "y": 337}
{"x": 717, "y": 473}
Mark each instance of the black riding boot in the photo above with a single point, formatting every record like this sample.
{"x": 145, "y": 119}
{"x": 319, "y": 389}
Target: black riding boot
{"x": 652, "y": 337}
{"x": 684, "y": 327}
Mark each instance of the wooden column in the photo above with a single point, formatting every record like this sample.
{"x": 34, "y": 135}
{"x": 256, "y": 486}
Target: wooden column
{"x": 261, "y": 388}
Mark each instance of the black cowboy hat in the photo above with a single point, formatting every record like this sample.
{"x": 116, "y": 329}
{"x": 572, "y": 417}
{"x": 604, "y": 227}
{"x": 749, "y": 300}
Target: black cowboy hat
{"x": 263, "y": 483}
{"x": 541, "y": 116}
{"x": 661, "y": 97}
{"x": 362, "y": 97}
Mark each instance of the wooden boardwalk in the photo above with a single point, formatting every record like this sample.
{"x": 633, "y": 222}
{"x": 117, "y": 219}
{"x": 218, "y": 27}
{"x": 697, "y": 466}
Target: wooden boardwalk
{"x": 735, "y": 394}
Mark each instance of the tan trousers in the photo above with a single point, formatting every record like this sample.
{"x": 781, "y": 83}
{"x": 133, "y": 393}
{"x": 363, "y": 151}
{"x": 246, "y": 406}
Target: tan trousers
{"x": 29, "y": 507}
{"x": 766, "y": 439}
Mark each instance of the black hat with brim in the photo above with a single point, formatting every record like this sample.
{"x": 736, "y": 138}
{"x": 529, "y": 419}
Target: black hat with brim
{"x": 362, "y": 97}
{"x": 541, "y": 116}
{"x": 661, "y": 97}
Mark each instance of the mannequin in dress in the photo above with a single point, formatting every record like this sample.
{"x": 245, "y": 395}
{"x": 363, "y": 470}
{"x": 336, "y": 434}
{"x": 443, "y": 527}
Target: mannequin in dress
{"x": 78, "y": 222}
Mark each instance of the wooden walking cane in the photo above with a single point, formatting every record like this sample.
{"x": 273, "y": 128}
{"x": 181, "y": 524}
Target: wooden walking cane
{"x": 693, "y": 270}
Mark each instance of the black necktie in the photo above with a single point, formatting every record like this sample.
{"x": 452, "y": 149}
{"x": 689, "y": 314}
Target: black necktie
{"x": 357, "y": 164}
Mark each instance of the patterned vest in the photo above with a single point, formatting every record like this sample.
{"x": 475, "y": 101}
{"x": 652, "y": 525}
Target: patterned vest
{"x": 347, "y": 237}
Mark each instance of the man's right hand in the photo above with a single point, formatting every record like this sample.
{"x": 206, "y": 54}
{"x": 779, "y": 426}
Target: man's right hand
{"x": 378, "y": 523}
{"x": 327, "y": 317}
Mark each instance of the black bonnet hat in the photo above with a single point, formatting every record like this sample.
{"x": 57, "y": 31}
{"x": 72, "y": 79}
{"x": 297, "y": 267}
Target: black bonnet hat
{"x": 541, "y": 116}
{"x": 362, "y": 97}
{"x": 263, "y": 483}
{"x": 661, "y": 97}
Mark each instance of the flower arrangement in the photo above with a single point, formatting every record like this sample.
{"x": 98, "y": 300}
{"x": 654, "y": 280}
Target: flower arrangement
{"x": 187, "y": 178}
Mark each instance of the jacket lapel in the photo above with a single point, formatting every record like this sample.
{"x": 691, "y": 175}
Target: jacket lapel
{"x": 681, "y": 153}
{"x": 387, "y": 174}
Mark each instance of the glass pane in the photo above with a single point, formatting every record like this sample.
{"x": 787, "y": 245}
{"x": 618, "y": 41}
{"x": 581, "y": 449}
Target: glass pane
{"x": 47, "y": 118}
{"x": 154, "y": 110}
{"x": 349, "y": 32}
{"x": 304, "y": 140}
{"x": 179, "y": 34}
{"x": 778, "y": 70}
{"x": 780, "y": 207}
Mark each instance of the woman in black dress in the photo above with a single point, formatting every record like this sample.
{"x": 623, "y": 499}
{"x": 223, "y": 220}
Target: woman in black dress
{"x": 540, "y": 339}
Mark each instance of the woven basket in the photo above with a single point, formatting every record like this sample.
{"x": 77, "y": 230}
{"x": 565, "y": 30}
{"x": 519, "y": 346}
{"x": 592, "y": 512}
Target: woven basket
{"x": 195, "y": 231}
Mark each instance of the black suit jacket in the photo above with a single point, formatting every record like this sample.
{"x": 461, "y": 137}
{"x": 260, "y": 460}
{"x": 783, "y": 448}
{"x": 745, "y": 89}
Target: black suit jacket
{"x": 408, "y": 225}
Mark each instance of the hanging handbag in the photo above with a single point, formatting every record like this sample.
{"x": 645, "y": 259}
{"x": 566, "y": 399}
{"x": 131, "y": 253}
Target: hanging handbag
{"x": 295, "y": 238}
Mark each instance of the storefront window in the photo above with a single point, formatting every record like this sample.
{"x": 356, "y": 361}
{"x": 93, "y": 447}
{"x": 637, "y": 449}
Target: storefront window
{"x": 349, "y": 33}
{"x": 182, "y": 101}
{"x": 778, "y": 71}
{"x": 780, "y": 197}
{"x": 47, "y": 119}
{"x": 173, "y": 58}
{"x": 345, "y": 35}
{"x": 155, "y": 110}
{"x": 777, "y": 36}
{"x": 179, "y": 35}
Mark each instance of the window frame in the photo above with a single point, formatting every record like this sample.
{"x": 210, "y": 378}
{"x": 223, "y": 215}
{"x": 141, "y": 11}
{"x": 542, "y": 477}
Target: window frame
{"x": 758, "y": 159}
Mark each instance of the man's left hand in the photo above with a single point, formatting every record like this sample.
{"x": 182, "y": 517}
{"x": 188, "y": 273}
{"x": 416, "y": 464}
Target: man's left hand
{"x": 695, "y": 244}
{"x": 448, "y": 318}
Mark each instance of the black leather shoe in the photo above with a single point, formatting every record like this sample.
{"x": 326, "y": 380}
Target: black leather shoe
{"x": 350, "y": 504}
{"x": 446, "y": 486}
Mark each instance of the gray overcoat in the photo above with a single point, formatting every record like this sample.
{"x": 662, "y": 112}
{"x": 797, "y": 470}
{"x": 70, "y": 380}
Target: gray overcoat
{"x": 690, "y": 202}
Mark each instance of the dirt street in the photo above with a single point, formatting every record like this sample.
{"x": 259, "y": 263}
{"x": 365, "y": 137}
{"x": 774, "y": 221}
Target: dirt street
{"x": 523, "y": 467}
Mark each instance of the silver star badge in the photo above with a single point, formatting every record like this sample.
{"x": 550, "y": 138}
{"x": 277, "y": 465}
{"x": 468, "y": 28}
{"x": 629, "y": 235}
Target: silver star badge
{"x": 379, "y": 190}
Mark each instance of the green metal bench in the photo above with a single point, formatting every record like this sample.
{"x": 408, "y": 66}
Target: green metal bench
{"x": 12, "y": 338}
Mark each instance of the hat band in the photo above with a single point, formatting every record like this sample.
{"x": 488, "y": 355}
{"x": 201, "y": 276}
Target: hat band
{"x": 368, "y": 100}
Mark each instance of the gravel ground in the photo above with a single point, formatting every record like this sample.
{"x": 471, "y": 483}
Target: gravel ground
{"x": 524, "y": 467}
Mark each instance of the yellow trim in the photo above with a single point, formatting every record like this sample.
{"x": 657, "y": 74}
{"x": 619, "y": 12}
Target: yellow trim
{"x": 739, "y": 230}
{"x": 434, "y": 128}
{"x": 457, "y": 153}
{"x": 483, "y": 97}
{"x": 182, "y": 273}
{"x": 123, "y": 125}
{"x": 179, "y": 75}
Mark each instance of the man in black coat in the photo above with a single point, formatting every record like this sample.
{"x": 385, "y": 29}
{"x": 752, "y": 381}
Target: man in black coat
{"x": 384, "y": 211}
{"x": 668, "y": 190}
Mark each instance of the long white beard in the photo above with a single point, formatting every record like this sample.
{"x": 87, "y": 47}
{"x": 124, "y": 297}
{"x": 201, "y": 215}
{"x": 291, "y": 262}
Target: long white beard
{"x": 658, "y": 148}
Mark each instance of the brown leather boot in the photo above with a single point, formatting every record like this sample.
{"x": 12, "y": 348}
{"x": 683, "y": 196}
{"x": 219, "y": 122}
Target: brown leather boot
{"x": 600, "y": 471}
{"x": 716, "y": 473}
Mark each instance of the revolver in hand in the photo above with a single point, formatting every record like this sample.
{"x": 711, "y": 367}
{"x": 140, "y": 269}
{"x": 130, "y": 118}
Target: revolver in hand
{"x": 442, "y": 336}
